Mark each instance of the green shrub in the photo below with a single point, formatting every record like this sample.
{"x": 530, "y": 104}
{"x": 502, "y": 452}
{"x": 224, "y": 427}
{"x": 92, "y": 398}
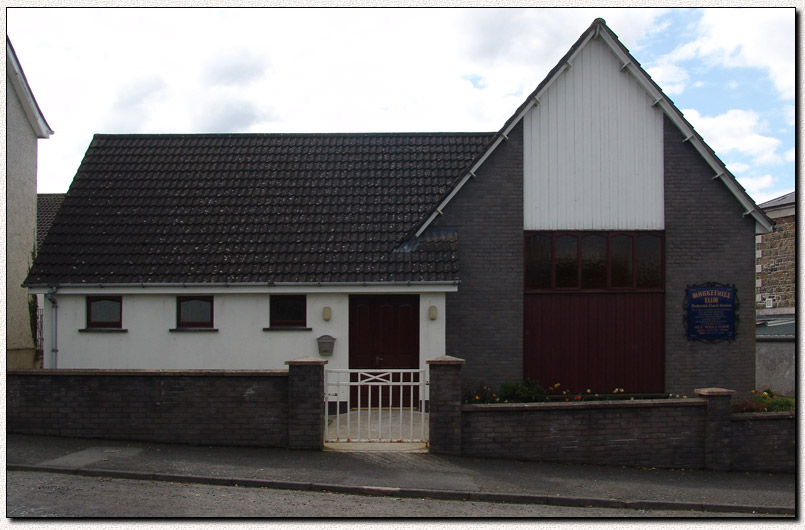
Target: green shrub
{"x": 780, "y": 404}
{"x": 748, "y": 406}
{"x": 479, "y": 394}
{"x": 527, "y": 391}
{"x": 765, "y": 400}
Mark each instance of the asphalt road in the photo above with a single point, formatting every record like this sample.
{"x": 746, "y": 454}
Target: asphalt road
{"x": 30, "y": 494}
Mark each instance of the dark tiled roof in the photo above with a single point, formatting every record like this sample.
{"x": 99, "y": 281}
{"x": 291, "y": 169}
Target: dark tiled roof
{"x": 254, "y": 208}
{"x": 47, "y": 204}
{"x": 781, "y": 326}
{"x": 788, "y": 198}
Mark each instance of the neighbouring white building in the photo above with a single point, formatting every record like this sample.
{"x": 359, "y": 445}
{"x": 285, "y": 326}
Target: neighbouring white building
{"x": 25, "y": 124}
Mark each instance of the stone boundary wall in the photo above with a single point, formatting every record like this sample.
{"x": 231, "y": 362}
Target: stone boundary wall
{"x": 237, "y": 408}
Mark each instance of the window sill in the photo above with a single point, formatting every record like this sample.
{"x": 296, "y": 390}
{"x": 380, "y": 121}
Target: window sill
{"x": 103, "y": 330}
{"x": 614, "y": 290}
{"x": 288, "y": 328}
{"x": 193, "y": 330}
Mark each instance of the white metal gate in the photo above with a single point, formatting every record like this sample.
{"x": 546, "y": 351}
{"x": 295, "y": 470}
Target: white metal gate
{"x": 376, "y": 405}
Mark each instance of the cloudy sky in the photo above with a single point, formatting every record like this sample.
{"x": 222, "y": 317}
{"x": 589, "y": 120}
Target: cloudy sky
{"x": 105, "y": 70}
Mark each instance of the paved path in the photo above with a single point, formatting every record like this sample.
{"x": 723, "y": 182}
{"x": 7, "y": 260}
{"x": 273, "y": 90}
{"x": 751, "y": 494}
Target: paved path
{"x": 378, "y": 424}
{"x": 411, "y": 474}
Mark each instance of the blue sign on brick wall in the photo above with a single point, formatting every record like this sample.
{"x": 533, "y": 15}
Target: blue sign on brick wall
{"x": 711, "y": 311}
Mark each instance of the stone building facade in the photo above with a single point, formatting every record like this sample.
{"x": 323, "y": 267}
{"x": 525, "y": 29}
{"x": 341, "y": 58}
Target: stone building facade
{"x": 776, "y": 299}
{"x": 776, "y": 256}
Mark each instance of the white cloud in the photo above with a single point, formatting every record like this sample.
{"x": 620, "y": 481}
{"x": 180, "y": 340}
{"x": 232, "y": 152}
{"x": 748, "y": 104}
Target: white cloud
{"x": 759, "y": 187}
{"x": 672, "y": 77}
{"x": 790, "y": 115}
{"x": 747, "y": 38}
{"x": 736, "y": 131}
{"x": 790, "y": 155}
{"x": 738, "y": 167}
{"x": 302, "y": 70}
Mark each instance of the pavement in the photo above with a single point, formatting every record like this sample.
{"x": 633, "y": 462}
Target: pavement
{"x": 408, "y": 470}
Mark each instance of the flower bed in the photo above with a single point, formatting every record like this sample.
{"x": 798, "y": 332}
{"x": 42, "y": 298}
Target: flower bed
{"x": 530, "y": 391}
{"x": 765, "y": 400}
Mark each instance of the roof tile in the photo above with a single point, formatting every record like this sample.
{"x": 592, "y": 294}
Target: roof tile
{"x": 254, "y": 208}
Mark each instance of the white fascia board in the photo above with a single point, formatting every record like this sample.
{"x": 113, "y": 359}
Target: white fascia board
{"x": 503, "y": 135}
{"x": 761, "y": 224}
{"x": 785, "y": 211}
{"x": 298, "y": 288}
{"x": 23, "y": 90}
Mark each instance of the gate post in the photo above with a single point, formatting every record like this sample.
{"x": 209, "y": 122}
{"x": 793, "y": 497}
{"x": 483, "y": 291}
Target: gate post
{"x": 306, "y": 414}
{"x": 444, "y": 420}
{"x": 718, "y": 428}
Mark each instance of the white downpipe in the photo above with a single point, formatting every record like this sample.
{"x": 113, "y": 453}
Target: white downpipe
{"x": 55, "y": 347}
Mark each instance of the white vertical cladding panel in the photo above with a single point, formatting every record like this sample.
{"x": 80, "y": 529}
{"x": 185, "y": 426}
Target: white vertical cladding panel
{"x": 593, "y": 150}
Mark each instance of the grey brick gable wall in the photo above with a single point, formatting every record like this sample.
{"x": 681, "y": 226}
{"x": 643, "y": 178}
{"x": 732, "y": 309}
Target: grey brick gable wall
{"x": 706, "y": 239}
{"x": 485, "y": 317}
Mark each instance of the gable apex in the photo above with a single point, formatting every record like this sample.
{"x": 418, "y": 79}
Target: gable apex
{"x": 599, "y": 30}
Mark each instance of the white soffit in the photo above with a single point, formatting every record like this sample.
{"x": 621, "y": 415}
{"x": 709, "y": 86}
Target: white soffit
{"x": 32, "y": 112}
{"x": 180, "y": 289}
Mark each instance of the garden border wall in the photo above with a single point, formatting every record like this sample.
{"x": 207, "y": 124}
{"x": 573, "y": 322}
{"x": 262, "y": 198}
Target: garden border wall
{"x": 286, "y": 409}
{"x": 654, "y": 433}
{"x": 764, "y": 441}
{"x": 693, "y": 433}
{"x": 266, "y": 408}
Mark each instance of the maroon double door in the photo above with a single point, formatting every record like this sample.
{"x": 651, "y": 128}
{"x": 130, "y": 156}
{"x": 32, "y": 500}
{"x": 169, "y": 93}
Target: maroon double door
{"x": 600, "y": 341}
{"x": 383, "y": 334}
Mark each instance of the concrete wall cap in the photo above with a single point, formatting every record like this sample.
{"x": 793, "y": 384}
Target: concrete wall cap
{"x": 306, "y": 361}
{"x": 103, "y": 372}
{"x": 445, "y": 359}
{"x": 714, "y": 392}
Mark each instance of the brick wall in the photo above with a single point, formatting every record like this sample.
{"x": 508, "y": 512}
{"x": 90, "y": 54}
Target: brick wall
{"x": 444, "y": 419}
{"x": 485, "y": 317}
{"x": 216, "y": 408}
{"x": 306, "y": 412}
{"x": 694, "y": 433}
{"x": 657, "y": 433}
{"x": 764, "y": 441}
{"x": 707, "y": 238}
{"x": 776, "y": 274}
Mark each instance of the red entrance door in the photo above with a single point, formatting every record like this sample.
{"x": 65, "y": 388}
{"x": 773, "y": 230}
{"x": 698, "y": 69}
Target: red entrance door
{"x": 383, "y": 334}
